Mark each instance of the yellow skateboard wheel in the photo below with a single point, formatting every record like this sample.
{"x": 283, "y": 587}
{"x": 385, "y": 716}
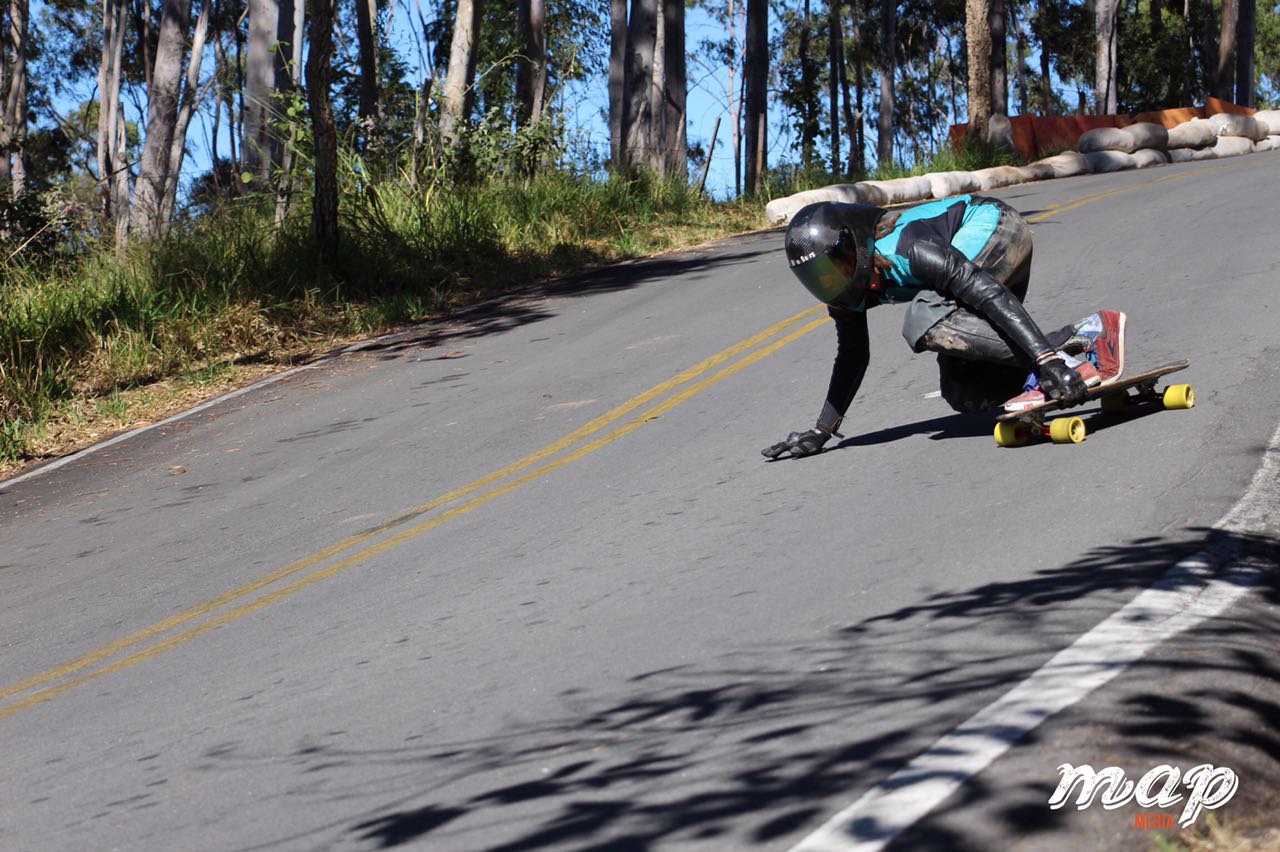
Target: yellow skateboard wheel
{"x": 1066, "y": 430}
{"x": 1011, "y": 433}
{"x": 1116, "y": 403}
{"x": 1179, "y": 396}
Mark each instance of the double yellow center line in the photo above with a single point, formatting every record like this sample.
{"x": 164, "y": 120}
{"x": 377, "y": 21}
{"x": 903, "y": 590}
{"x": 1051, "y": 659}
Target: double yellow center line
{"x": 251, "y": 597}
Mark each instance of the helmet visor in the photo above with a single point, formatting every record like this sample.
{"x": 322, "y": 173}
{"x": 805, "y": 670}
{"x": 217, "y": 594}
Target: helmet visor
{"x": 826, "y": 279}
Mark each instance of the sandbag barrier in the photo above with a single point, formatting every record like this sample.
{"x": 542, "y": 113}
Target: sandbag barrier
{"x": 1136, "y": 145}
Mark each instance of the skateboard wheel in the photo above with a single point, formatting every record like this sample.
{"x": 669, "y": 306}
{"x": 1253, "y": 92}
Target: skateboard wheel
{"x": 1179, "y": 396}
{"x": 1010, "y": 433}
{"x": 1066, "y": 430}
{"x": 1116, "y": 403}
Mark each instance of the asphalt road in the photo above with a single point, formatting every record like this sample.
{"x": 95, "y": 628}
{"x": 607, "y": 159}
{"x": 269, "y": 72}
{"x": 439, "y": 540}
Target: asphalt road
{"x": 345, "y": 610}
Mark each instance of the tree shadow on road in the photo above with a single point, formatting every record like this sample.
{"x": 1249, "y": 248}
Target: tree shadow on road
{"x": 763, "y": 743}
{"x": 531, "y": 304}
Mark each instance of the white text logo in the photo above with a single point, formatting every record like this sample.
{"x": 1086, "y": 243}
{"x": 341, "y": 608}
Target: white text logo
{"x": 1209, "y": 787}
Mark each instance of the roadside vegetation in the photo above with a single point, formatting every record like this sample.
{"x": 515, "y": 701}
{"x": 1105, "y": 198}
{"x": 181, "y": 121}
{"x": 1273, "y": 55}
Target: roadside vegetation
{"x": 86, "y": 335}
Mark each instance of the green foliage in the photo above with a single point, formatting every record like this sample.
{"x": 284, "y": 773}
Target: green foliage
{"x": 1267, "y": 55}
{"x": 1065, "y": 29}
{"x": 1158, "y": 69}
{"x": 43, "y": 226}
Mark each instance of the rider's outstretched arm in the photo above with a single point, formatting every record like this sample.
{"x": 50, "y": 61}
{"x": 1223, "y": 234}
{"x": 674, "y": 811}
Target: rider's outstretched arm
{"x": 853, "y": 353}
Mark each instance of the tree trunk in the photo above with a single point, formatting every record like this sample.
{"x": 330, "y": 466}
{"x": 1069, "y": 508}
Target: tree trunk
{"x": 289, "y": 79}
{"x": 1224, "y": 75}
{"x": 658, "y": 126}
{"x": 6, "y": 173}
{"x": 1246, "y": 24}
{"x": 324, "y": 208}
{"x": 637, "y": 114}
{"x": 676, "y": 91}
{"x": 808, "y": 97}
{"x": 998, "y": 27}
{"x": 257, "y": 150}
{"x": 859, "y": 164}
{"x": 370, "y": 107}
{"x": 1019, "y": 26}
{"x": 113, "y": 170}
{"x": 1105, "y": 85}
{"x": 1045, "y": 80}
{"x": 531, "y": 70}
{"x": 888, "y": 71}
{"x": 850, "y": 122}
{"x": 162, "y": 118}
{"x": 455, "y": 103}
{"x": 191, "y": 94}
{"x": 734, "y": 90}
{"x": 977, "y": 32}
{"x": 835, "y": 34}
{"x": 366, "y": 36}
{"x": 617, "y": 77}
{"x": 15, "y": 112}
{"x": 756, "y": 77}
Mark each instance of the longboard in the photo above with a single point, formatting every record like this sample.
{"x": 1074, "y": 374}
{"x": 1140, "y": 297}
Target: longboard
{"x": 1016, "y": 428}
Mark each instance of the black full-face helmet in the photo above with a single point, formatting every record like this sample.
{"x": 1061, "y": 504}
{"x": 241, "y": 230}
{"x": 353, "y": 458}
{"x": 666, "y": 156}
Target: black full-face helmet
{"x": 830, "y": 247}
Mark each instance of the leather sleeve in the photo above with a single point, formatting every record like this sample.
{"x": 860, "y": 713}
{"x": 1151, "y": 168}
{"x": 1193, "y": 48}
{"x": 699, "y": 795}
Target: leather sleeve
{"x": 853, "y": 354}
{"x": 946, "y": 270}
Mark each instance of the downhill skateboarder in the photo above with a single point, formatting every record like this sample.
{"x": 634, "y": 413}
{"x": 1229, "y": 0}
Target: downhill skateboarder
{"x": 964, "y": 264}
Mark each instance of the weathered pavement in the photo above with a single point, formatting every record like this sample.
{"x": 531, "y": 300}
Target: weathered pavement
{"x": 261, "y": 626}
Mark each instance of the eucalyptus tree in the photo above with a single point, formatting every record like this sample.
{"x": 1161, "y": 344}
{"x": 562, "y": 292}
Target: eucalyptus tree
{"x": 978, "y": 36}
{"x": 113, "y": 168}
{"x": 1246, "y": 29}
{"x": 637, "y": 109}
{"x": 271, "y": 65}
{"x": 888, "y": 72}
{"x": 455, "y": 104}
{"x": 617, "y": 77}
{"x": 798, "y": 74}
{"x": 756, "y": 82}
{"x": 171, "y": 100}
{"x": 835, "y": 80}
{"x": 531, "y": 69}
{"x": 14, "y": 117}
{"x": 1106, "y": 21}
{"x": 674, "y": 89}
{"x": 1225, "y": 73}
{"x": 997, "y": 25}
{"x": 367, "y": 44}
{"x": 319, "y": 78}
{"x": 858, "y": 162}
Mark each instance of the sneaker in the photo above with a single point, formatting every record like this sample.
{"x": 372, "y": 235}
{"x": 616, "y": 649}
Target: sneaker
{"x": 1032, "y": 396}
{"x": 1108, "y": 348}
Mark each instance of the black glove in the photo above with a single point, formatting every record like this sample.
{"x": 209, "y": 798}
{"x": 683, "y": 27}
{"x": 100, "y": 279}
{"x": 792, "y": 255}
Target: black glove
{"x": 799, "y": 444}
{"x": 1060, "y": 382}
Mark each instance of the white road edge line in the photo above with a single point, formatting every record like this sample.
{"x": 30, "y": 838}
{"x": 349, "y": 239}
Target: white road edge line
{"x": 1193, "y": 590}
{"x": 185, "y": 413}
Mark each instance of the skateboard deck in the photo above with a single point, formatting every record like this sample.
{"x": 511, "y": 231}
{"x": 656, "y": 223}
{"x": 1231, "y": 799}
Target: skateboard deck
{"x": 1017, "y": 427}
